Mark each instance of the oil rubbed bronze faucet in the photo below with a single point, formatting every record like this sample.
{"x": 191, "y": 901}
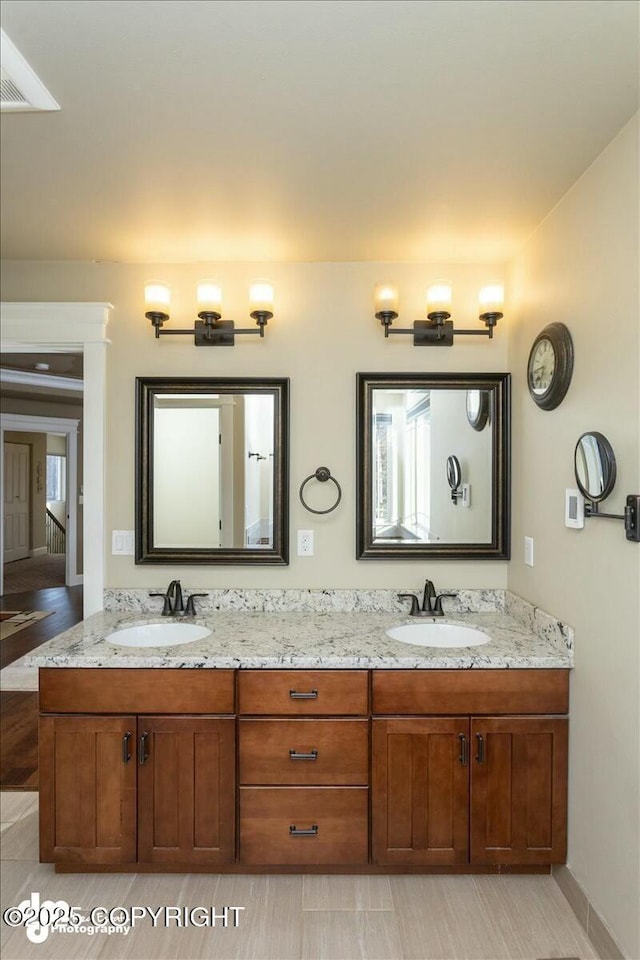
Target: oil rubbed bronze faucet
{"x": 173, "y": 605}
{"x": 431, "y": 601}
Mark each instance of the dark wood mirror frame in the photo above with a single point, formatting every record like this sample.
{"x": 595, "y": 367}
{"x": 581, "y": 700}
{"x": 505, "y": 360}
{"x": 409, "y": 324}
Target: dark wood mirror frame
{"x": 498, "y": 548}
{"x": 147, "y": 389}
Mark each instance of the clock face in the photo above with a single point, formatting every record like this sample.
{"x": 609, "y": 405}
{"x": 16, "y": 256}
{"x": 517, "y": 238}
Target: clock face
{"x": 542, "y": 367}
{"x": 550, "y": 366}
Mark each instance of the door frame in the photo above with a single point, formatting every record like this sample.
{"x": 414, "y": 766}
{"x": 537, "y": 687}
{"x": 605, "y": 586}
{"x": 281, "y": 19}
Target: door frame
{"x": 16, "y": 422}
{"x": 68, "y": 328}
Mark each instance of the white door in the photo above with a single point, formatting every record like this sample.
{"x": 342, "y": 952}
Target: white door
{"x": 16, "y": 501}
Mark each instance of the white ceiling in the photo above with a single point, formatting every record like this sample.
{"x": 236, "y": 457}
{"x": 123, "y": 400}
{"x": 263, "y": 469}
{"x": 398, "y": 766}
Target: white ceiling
{"x": 332, "y": 130}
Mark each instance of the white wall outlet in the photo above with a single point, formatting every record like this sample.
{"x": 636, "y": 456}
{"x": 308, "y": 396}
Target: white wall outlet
{"x": 305, "y": 543}
{"x": 573, "y": 509}
{"x": 122, "y": 543}
{"x": 466, "y": 494}
{"x": 528, "y": 551}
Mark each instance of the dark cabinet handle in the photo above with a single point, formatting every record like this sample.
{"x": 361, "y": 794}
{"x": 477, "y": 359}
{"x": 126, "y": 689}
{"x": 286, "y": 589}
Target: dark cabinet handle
{"x": 312, "y": 695}
{"x": 143, "y": 752}
{"x": 480, "y": 746}
{"x": 464, "y": 750}
{"x": 312, "y": 755}
{"x": 310, "y": 832}
{"x": 126, "y": 752}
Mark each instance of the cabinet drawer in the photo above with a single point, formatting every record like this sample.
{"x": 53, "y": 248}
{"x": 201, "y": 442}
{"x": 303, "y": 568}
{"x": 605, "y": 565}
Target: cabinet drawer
{"x": 303, "y": 692}
{"x": 323, "y": 752}
{"x": 300, "y": 825}
{"x": 88, "y": 690}
{"x": 470, "y": 691}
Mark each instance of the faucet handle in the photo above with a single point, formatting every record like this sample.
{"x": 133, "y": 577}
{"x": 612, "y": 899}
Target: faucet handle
{"x": 438, "y": 601}
{"x": 166, "y": 606}
{"x": 190, "y": 609}
{"x": 415, "y": 607}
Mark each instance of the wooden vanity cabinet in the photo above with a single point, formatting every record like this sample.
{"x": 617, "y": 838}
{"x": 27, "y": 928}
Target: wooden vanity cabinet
{"x": 486, "y": 790}
{"x": 121, "y": 789}
{"x": 337, "y": 769}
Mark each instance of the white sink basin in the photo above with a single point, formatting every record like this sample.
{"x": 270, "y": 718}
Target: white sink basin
{"x": 158, "y": 635}
{"x": 438, "y": 635}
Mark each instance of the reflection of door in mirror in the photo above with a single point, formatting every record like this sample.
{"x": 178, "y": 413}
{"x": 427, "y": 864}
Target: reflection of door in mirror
{"x": 213, "y": 481}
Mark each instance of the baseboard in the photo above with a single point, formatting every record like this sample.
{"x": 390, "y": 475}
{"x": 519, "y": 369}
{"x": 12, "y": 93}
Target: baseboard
{"x": 593, "y": 925}
{"x": 38, "y": 552}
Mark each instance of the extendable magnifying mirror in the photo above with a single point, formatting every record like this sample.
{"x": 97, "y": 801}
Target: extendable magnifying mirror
{"x": 595, "y": 469}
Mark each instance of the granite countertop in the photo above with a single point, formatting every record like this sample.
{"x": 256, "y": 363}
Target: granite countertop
{"x": 260, "y": 640}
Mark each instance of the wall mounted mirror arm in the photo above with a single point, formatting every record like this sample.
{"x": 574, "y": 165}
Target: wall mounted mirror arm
{"x": 595, "y": 470}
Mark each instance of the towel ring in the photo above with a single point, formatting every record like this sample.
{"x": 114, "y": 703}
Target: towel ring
{"x": 322, "y": 474}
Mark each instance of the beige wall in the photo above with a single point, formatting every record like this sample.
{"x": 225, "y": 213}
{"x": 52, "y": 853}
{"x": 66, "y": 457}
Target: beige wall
{"x": 323, "y": 332}
{"x": 581, "y": 268}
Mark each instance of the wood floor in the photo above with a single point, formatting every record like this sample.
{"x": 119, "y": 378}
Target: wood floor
{"x": 19, "y": 710}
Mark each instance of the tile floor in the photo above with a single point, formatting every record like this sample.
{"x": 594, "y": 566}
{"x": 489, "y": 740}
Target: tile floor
{"x": 290, "y": 917}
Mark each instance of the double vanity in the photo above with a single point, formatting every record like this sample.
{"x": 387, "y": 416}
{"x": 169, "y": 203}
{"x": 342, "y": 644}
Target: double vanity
{"x": 306, "y": 741}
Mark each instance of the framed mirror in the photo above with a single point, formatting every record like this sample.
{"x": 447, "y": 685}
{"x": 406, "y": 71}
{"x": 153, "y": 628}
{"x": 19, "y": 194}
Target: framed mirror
{"x": 212, "y": 467}
{"x": 410, "y": 428}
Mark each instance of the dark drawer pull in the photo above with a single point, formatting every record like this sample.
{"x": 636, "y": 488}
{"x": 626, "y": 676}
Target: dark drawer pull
{"x": 312, "y": 755}
{"x": 464, "y": 750}
{"x": 310, "y": 832}
{"x": 143, "y": 748}
{"x": 480, "y": 746}
{"x": 126, "y": 752}
{"x": 312, "y": 695}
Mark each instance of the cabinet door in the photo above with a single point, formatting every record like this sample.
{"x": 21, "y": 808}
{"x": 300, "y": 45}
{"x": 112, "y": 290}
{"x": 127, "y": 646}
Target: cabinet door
{"x": 87, "y": 789}
{"x": 186, "y": 790}
{"x": 518, "y": 790}
{"x": 420, "y": 797}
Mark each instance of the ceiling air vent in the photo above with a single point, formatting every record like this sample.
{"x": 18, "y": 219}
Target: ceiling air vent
{"x": 20, "y": 88}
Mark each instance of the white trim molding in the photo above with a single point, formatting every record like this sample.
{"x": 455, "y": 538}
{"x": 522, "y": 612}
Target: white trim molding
{"x": 70, "y": 327}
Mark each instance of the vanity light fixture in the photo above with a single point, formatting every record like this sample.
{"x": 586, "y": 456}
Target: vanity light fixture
{"x": 438, "y": 329}
{"x": 210, "y": 330}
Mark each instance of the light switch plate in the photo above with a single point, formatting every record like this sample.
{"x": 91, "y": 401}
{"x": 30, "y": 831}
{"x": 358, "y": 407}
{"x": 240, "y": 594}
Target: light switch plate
{"x": 528, "y": 551}
{"x": 122, "y": 543}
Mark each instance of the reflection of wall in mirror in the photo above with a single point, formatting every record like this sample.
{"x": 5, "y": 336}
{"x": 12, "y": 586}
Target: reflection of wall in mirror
{"x": 186, "y": 477}
{"x": 258, "y": 439}
{"x": 451, "y": 434}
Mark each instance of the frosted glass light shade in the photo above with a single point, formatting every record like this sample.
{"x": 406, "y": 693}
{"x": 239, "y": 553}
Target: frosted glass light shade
{"x": 157, "y": 297}
{"x": 439, "y": 297}
{"x": 209, "y": 297}
{"x": 385, "y": 298}
{"x": 261, "y": 296}
{"x": 491, "y": 298}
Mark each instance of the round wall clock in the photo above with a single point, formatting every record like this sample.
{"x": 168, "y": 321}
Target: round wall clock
{"x": 478, "y": 408}
{"x": 550, "y": 366}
